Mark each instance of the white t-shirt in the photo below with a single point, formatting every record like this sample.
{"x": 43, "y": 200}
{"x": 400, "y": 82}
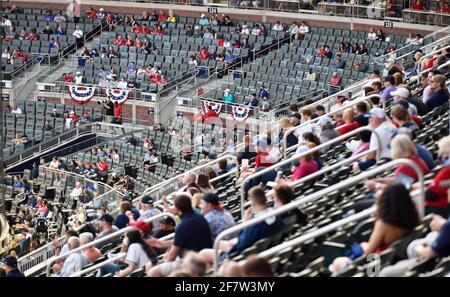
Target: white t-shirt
{"x": 17, "y": 111}
{"x": 293, "y": 29}
{"x": 310, "y": 127}
{"x": 136, "y": 256}
{"x": 304, "y": 29}
{"x": 386, "y": 132}
{"x": 122, "y": 85}
{"x": 78, "y": 33}
{"x": 372, "y": 36}
{"x": 426, "y": 93}
{"x": 277, "y": 27}
{"x": 7, "y": 23}
{"x": 78, "y": 79}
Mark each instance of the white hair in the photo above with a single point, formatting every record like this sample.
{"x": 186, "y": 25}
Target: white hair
{"x": 86, "y": 237}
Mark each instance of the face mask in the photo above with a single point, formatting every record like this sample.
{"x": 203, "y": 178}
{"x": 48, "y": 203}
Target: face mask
{"x": 445, "y": 161}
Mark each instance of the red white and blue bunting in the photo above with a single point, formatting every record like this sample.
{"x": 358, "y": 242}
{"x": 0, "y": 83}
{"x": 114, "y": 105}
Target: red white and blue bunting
{"x": 81, "y": 94}
{"x": 216, "y": 106}
{"x": 117, "y": 95}
{"x": 240, "y": 113}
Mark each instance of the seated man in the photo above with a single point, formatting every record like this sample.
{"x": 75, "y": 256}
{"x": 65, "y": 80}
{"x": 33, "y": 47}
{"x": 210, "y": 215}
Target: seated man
{"x": 248, "y": 236}
{"x": 192, "y": 234}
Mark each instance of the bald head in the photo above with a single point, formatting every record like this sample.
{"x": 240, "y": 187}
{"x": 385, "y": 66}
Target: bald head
{"x": 230, "y": 269}
{"x": 348, "y": 115}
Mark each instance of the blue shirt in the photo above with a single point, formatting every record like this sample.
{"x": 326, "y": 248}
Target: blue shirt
{"x": 252, "y": 234}
{"x": 121, "y": 221}
{"x": 48, "y": 18}
{"x": 437, "y": 99}
{"x": 203, "y": 22}
{"x": 386, "y": 93}
{"x": 218, "y": 221}
{"x": 426, "y": 156}
{"x": 17, "y": 185}
{"x": 193, "y": 233}
{"x": 229, "y": 58}
{"x": 15, "y": 273}
{"x": 442, "y": 243}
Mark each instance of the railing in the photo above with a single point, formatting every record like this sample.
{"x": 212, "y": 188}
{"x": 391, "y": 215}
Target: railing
{"x": 283, "y": 109}
{"x": 430, "y": 55}
{"x": 409, "y": 49}
{"x": 293, "y": 129}
{"x": 104, "y": 239}
{"x": 40, "y": 255}
{"x": 359, "y": 11}
{"x": 255, "y": 112}
{"x": 314, "y": 149}
{"x": 426, "y": 17}
{"x": 320, "y": 194}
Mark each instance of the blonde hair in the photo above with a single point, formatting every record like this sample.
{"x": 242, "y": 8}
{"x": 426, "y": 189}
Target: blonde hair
{"x": 195, "y": 201}
{"x": 284, "y": 123}
{"x": 444, "y": 144}
{"x": 402, "y": 147}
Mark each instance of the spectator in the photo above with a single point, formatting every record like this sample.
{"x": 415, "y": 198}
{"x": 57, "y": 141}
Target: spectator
{"x": 256, "y": 266}
{"x": 347, "y": 124}
{"x": 75, "y": 261}
{"x": 335, "y": 80}
{"x": 265, "y": 104}
{"x": 138, "y": 255}
{"x": 389, "y": 87}
{"x": 106, "y": 227}
{"x": 418, "y": 5}
{"x": 248, "y": 236}
{"x": 339, "y": 62}
{"x": 402, "y": 119}
{"x": 193, "y": 233}
{"x": 327, "y": 129}
{"x": 59, "y": 18}
{"x": 372, "y": 35}
{"x": 385, "y": 130}
{"x": 278, "y": 27}
{"x": 15, "y": 109}
{"x": 294, "y": 30}
{"x": 283, "y": 195}
{"x": 436, "y": 196}
{"x": 122, "y": 84}
{"x": 311, "y": 76}
{"x": 203, "y": 20}
{"x": 440, "y": 94}
{"x": 78, "y": 78}
{"x": 148, "y": 211}
{"x": 217, "y": 217}
{"x": 78, "y": 33}
{"x": 203, "y": 184}
{"x": 228, "y": 96}
{"x": 306, "y": 165}
{"x": 192, "y": 61}
{"x": 203, "y": 54}
{"x": 91, "y": 253}
{"x": 230, "y": 269}
{"x": 120, "y": 41}
{"x": 252, "y": 101}
{"x": 249, "y": 150}
{"x": 47, "y": 126}
{"x": 123, "y": 219}
{"x": 304, "y": 28}
{"x": 380, "y": 35}
{"x": 11, "y": 267}
{"x": 6, "y": 22}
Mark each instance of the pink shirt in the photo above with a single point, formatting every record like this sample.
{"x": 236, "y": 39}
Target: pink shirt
{"x": 362, "y": 148}
{"x": 304, "y": 169}
{"x": 76, "y": 9}
{"x": 92, "y": 254}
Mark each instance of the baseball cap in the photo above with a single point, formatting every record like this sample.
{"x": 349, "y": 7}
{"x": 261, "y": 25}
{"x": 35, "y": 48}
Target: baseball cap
{"x": 167, "y": 221}
{"x": 211, "y": 198}
{"x": 323, "y": 120}
{"x": 377, "y": 112}
{"x": 402, "y": 92}
{"x": 261, "y": 143}
{"x": 403, "y": 103}
{"x": 390, "y": 79}
{"x": 106, "y": 218}
{"x": 141, "y": 225}
{"x": 10, "y": 261}
{"x": 127, "y": 198}
{"x": 147, "y": 200}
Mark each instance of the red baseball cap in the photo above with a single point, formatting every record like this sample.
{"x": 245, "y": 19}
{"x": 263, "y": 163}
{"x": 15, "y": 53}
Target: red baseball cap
{"x": 141, "y": 225}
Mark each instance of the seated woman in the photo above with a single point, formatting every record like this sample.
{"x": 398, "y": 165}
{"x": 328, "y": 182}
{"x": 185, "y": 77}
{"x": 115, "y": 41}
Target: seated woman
{"x": 307, "y": 165}
{"x": 138, "y": 255}
{"x": 396, "y": 217}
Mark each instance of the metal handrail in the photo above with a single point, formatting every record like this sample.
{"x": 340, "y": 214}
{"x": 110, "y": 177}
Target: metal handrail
{"x": 344, "y": 107}
{"x": 309, "y": 151}
{"x": 446, "y": 64}
{"x": 43, "y": 251}
{"x": 324, "y": 170}
{"x": 104, "y": 239}
{"x": 432, "y": 54}
{"x": 321, "y": 194}
{"x": 117, "y": 257}
{"x": 316, "y": 233}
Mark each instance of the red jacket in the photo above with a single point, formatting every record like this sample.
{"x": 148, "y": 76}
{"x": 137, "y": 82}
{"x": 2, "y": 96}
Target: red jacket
{"x": 137, "y": 30}
{"x": 417, "y": 6}
{"x": 348, "y": 127}
{"x": 119, "y": 42}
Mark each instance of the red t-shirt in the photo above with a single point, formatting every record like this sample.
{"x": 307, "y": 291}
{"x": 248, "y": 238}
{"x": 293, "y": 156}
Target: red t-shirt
{"x": 118, "y": 111}
{"x": 418, "y": 6}
{"x": 335, "y": 80}
{"x": 442, "y": 200}
{"x": 91, "y": 14}
{"x": 137, "y": 30}
{"x": 119, "y": 42}
{"x": 220, "y": 42}
{"x": 262, "y": 160}
{"x": 430, "y": 63}
{"x": 304, "y": 169}
{"x": 69, "y": 79}
{"x": 203, "y": 55}
{"x": 406, "y": 170}
{"x": 162, "y": 18}
{"x": 345, "y": 128}
{"x": 138, "y": 43}
{"x": 209, "y": 114}
{"x": 129, "y": 42}
{"x": 145, "y": 30}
